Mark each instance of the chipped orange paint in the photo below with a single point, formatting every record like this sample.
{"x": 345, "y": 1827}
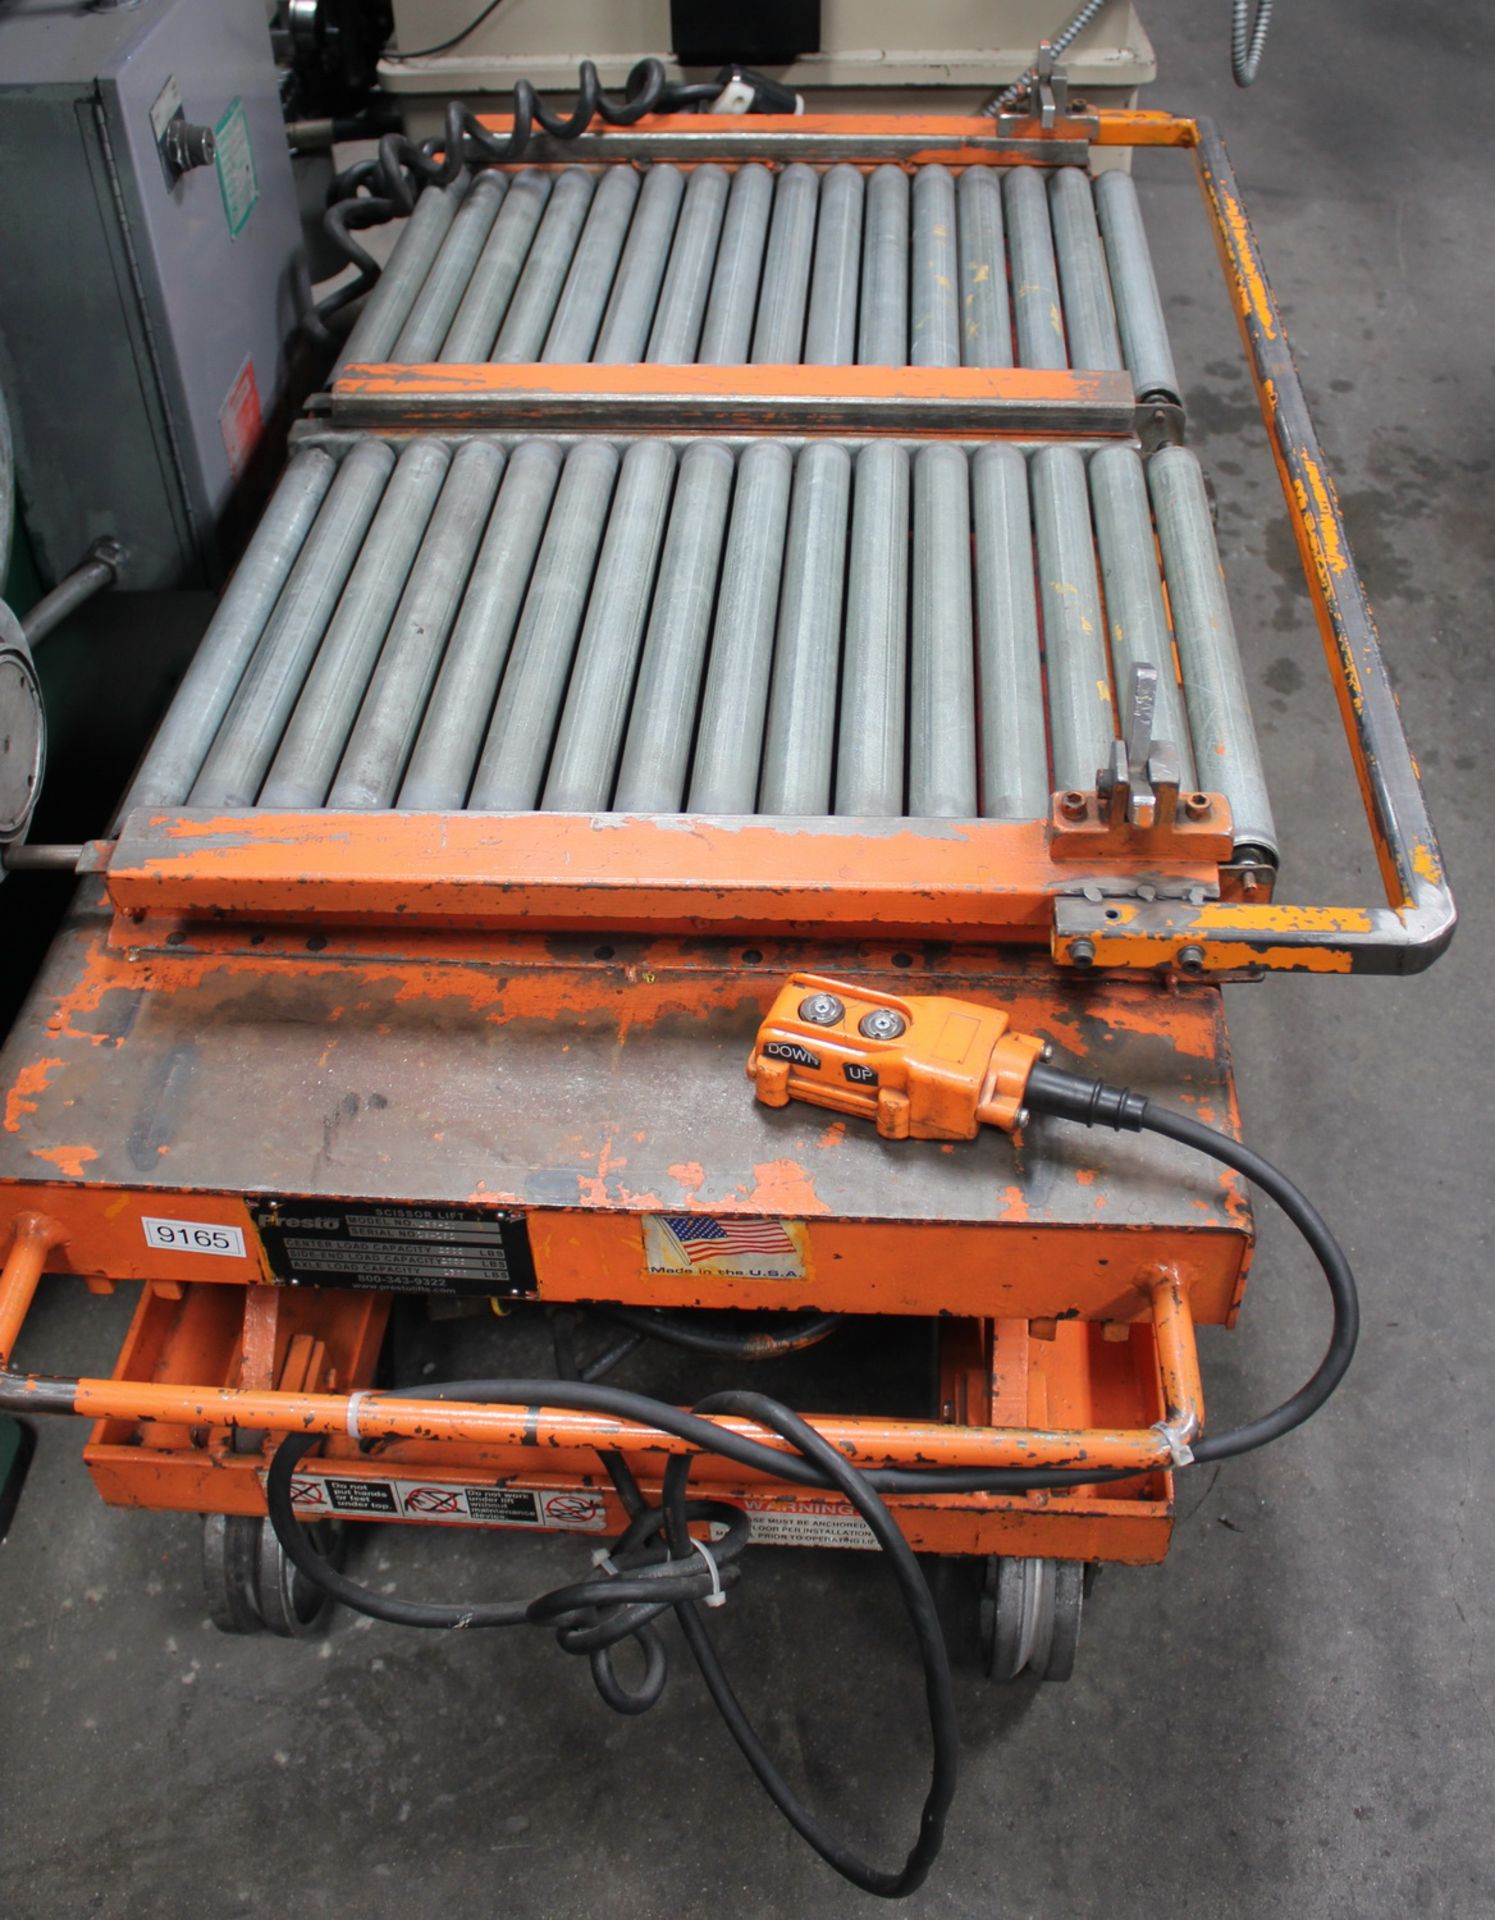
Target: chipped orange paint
{"x": 784, "y": 1187}
{"x": 1426, "y": 864}
{"x": 834, "y": 1134}
{"x": 1014, "y": 1204}
{"x": 1222, "y": 956}
{"x": 1149, "y": 1017}
{"x": 31, "y": 1080}
{"x": 1251, "y": 284}
{"x": 1143, "y": 127}
{"x": 68, "y": 1160}
{"x": 691, "y": 1175}
{"x": 1327, "y": 505}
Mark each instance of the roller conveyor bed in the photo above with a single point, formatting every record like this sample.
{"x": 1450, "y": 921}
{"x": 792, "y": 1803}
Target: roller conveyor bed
{"x": 813, "y": 266}
{"x": 870, "y": 631}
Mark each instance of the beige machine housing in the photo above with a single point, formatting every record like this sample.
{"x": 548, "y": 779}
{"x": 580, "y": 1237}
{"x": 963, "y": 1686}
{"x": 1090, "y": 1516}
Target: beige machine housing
{"x": 946, "y": 55}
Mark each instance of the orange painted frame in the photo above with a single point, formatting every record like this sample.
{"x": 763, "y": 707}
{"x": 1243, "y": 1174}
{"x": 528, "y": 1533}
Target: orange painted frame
{"x": 550, "y": 1430}
{"x": 990, "y": 1371}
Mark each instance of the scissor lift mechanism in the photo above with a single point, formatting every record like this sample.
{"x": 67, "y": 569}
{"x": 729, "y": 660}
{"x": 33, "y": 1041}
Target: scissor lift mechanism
{"x": 384, "y": 954}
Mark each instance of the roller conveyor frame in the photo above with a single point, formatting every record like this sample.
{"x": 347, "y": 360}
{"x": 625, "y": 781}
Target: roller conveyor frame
{"x": 1215, "y": 930}
{"x": 188, "y": 990}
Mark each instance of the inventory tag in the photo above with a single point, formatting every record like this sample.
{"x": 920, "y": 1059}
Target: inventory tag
{"x": 193, "y": 1236}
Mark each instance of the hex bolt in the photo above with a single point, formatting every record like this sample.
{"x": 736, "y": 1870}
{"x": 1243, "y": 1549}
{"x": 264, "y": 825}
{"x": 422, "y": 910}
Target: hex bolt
{"x": 1082, "y": 953}
{"x": 1074, "y": 805}
{"x": 1197, "y": 806}
{"x": 1023, "y": 1117}
{"x": 1191, "y": 959}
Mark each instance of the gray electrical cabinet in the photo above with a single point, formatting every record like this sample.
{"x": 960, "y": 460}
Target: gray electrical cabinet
{"x": 148, "y": 258}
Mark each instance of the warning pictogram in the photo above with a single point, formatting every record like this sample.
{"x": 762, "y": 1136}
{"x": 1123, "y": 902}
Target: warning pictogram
{"x": 308, "y": 1493}
{"x": 433, "y": 1500}
{"x": 573, "y": 1509}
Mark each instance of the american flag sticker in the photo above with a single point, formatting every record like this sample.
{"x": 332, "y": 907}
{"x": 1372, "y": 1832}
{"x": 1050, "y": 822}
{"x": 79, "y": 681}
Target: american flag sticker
{"x": 758, "y": 1249}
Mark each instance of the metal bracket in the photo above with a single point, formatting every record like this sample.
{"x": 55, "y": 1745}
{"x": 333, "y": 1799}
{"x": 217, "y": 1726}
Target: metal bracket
{"x": 1047, "y": 97}
{"x": 1159, "y": 423}
{"x": 1145, "y": 888}
{"x": 1139, "y": 785}
{"x": 1136, "y": 811}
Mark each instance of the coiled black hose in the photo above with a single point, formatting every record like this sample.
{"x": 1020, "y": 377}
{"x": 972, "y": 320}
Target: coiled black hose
{"x": 656, "y": 1564}
{"x": 385, "y": 185}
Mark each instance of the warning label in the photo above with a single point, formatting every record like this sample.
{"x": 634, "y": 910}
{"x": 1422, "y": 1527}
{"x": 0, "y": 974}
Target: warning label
{"x": 240, "y": 420}
{"x": 336, "y": 1243}
{"x": 808, "y": 1523}
{"x": 565, "y": 1510}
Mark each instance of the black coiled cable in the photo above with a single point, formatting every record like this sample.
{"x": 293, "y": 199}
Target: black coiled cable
{"x": 657, "y": 1565}
{"x": 385, "y": 185}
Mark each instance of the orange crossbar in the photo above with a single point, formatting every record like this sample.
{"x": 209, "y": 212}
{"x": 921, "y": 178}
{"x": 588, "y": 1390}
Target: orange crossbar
{"x": 988, "y": 879}
{"x": 908, "y": 139}
{"x": 937, "y": 400}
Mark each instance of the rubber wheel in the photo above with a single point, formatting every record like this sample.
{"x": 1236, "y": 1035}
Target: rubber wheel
{"x": 288, "y": 1603}
{"x": 1030, "y": 1616}
{"x": 1068, "y": 1609}
{"x": 230, "y": 1571}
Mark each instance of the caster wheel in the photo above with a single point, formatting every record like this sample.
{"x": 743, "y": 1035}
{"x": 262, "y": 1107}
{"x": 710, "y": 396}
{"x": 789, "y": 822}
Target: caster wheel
{"x": 230, "y": 1561}
{"x": 289, "y": 1604}
{"x": 1030, "y": 1617}
{"x": 250, "y": 1585}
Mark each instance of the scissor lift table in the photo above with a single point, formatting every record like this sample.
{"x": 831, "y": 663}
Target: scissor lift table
{"x": 682, "y": 583}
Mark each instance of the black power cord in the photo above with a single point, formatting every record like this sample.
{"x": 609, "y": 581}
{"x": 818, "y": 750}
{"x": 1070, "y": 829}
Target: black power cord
{"x": 791, "y": 1334}
{"x": 656, "y": 1564}
{"x": 444, "y": 46}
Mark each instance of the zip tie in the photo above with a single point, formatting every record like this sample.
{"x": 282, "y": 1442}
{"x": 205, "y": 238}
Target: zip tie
{"x": 1179, "y": 1450}
{"x": 716, "y": 1598}
{"x": 353, "y": 1399}
{"x": 602, "y": 1558}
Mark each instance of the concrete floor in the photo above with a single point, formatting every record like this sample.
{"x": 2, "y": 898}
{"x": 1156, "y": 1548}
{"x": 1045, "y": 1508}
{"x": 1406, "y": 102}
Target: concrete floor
{"x": 1294, "y": 1715}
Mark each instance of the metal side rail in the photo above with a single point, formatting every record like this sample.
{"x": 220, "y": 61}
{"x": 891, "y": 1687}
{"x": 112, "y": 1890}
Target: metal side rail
{"x": 1417, "y": 922}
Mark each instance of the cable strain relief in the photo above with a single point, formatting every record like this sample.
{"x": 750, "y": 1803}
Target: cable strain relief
{"x": 1089, "y": 1102}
